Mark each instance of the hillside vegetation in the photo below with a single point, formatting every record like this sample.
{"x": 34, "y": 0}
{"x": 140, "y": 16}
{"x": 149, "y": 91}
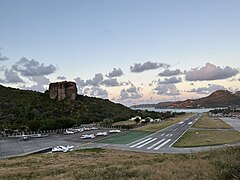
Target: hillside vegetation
{"x": 30, "y": 110}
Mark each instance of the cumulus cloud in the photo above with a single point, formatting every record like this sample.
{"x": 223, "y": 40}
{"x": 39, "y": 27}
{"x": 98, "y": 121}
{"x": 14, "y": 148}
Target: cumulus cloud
{"x": 168, "y": 72}
{"x": 95, "y": 81}
{"x": 11, "y": 77}
{"x": 171, "y": 80}
{"x": 3, "y": 58}
{"x": 210, "y": 72}
{"x": 138, "y": 67}
{"x": 96, "y": 92}
{"x": 32, "y": 68}
{"x": 111, "y": 82}
{"x": 115, "y": 73}
{"x": 130, "y": 93}
{"x": 167, "y": 89}
{"x": 61, "y": 78}
{"x": 207, "y": 90}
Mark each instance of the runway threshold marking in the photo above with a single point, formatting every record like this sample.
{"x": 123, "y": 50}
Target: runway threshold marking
{"x": 148, "y": 142}
{"x": 159, "y": 142}
{"x": 163, "y": 134}
{"x": 161, "y": 145}
{"x": 140, "y": 142}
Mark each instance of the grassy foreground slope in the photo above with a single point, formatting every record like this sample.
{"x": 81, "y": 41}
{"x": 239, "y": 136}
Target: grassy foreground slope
{"x": 112, "y": 164}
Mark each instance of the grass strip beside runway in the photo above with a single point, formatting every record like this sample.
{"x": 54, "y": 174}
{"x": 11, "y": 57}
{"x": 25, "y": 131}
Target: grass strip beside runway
{"x": 212, "y": 123}
{"x": 125, "y": 137}
{"x": 195, "y": 138}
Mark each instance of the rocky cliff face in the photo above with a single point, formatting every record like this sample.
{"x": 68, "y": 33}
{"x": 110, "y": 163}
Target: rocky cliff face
{"x": 63, "y": 90}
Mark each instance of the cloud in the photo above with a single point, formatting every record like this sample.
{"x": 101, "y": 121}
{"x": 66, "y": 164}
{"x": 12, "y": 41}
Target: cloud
{"x": 207, "y": 90}
{"x": 115, "y": 73}
{"x": 95, "y": 81}
{"x": 96, "y": 92}
{"x": 3, "y": 58}
{"x": 111, "y": 82}
{"x": 32, "y": 68}
{"x": 168, "y": 72}
{"x": 171, "y": 80}
{"x": 130, "y": 93}
{"x": 210, "y": 72}
{"x": 167, "y": 89}
{"x": 61, "y": 78}
{"x": 11, "y": 77}
{"x": 138, "y": 67}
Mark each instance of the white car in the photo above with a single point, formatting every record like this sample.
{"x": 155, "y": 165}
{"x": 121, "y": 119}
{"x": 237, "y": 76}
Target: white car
{"x": 87, "y": 136}
{"x": 93, "y": 128}
{"x": 102, "y": 134}
{"x": 115, "y": 131}
{"x": 62, "y": 148}
{"x": 69, "y": 132}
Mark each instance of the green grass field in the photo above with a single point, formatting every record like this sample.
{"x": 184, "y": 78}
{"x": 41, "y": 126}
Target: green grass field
{"x": 211, "y": 123}
{"x": 125, "y": 137}
{"x": 194, "y": 138}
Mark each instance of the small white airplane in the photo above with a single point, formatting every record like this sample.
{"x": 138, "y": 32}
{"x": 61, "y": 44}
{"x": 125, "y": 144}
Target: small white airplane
{"x": 102, "y": 134}
{"x": 87, "y": 136}
{"x": 115, "y": 131}
{"x": 62, "y": 148}
{"x": 181, "y": 122}
{"x": 69, "y": 132}
{"x": 24, "y": 138}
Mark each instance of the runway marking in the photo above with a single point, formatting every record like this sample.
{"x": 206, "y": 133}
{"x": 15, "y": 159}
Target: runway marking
{"x": 181, "y": 122}
{"x": 161, "y": 145}
{"x": 146, "y": 143}
{"x": 140, "y": 142}
{"x": 175, "y": 129}
{"x": 163, "y": 134}
{"x": 171, "y": 135}
{"x": 182, "y": 125}
{"x": 190, "y": 122}
{"x": 167, "y": 135}
{"x": 156, "y": 144}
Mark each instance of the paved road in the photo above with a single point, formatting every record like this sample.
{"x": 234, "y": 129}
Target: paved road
{"x": 165, "y": 138}
{"x": 234, "y": 122}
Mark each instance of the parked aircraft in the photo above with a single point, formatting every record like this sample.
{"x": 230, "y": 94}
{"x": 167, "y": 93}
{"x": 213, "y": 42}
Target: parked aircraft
{"x": 102, "y": 134}
{"x": 24, "y": 138}
{"x": 87, "y": 136}
{"x": 115, "y": 131}
{"x": 69, "y": 132}
{"x": 62, "y": 148}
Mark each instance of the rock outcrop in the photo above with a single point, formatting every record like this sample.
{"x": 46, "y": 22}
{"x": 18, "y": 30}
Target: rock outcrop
{"x": 63, "y": 90}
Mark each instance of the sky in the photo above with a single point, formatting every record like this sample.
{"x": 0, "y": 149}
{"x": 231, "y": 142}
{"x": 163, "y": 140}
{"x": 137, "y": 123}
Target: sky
{"x": 128, "y": 51}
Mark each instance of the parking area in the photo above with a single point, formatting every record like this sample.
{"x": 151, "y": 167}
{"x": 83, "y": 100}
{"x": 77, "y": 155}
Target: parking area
{"x": 13, "y": 146}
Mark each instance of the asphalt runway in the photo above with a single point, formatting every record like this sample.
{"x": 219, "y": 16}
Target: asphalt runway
{"x": 14, "y": 147}
{"x": 165, "y": 138}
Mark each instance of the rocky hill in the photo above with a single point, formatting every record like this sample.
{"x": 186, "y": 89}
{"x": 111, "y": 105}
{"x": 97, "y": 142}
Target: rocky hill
{"x": 24, "y": 109}
{"x": 220, "y": 98}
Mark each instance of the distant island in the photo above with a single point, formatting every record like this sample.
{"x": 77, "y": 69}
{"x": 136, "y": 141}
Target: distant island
{"x": 220, "y": 98}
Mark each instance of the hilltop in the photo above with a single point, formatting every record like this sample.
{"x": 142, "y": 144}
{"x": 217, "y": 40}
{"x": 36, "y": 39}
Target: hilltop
{"x": 25, "y": 109}
{"x": 220, "y": 98}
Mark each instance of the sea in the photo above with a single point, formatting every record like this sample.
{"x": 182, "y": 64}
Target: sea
{"x": 202, "y": 110}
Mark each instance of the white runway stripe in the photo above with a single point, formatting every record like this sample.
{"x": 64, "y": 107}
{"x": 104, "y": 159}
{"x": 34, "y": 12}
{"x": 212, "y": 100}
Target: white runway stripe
{"x": 171, "y": 135}
{"x": 161, "y": 145}
{"x": 140, "y": 142}
{"x": 148, "y": 142}
{"x": 162, "y": 134}
{"x": 156, "y": 144}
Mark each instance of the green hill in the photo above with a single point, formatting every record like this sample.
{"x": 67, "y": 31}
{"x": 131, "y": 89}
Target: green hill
{"x": 24, "y": 109}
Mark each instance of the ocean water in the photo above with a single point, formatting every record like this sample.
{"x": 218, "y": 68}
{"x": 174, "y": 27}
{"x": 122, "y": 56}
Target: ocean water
{"x": 177, "y": 110}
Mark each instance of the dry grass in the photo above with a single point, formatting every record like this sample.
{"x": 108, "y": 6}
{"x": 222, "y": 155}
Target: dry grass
{"x": 124, "y": 123}
{"x": 208, "y": 137}
{"x": 212, "y": 123}
{"x": 113, "y": 164}
{"x": 163, "y": 124}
